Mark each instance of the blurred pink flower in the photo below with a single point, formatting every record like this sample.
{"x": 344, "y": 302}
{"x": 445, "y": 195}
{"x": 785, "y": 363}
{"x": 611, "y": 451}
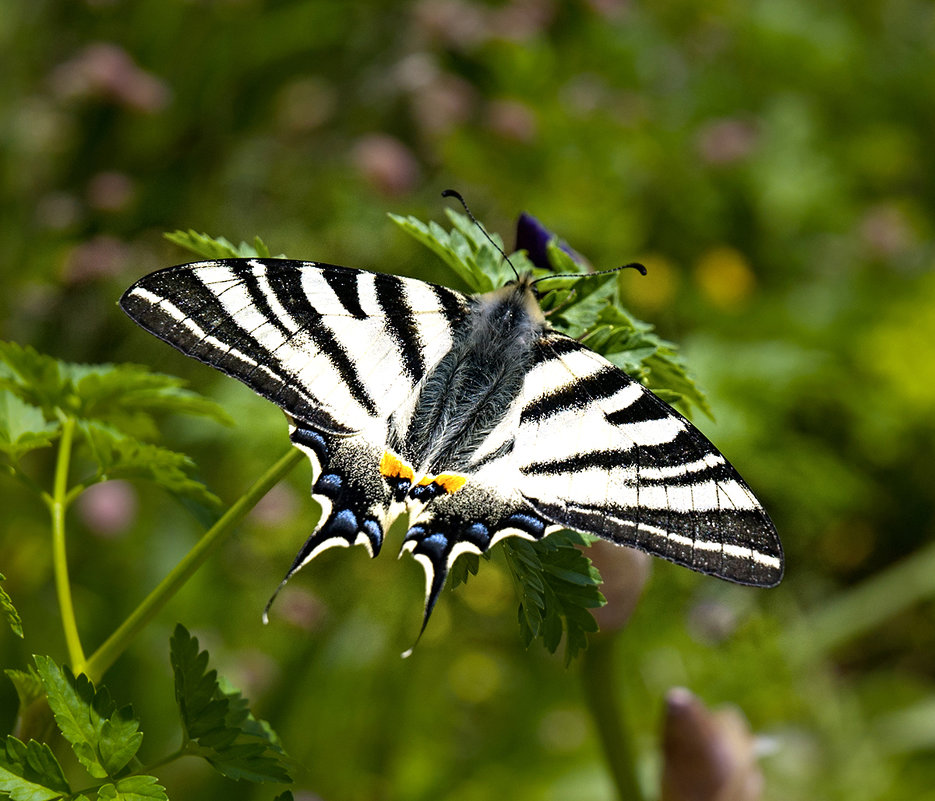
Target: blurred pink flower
{"x": 726, "y": 141}
{"x": 707, "y": 756}
{"x": 610, "y": 9}
{"x": 512, "y": 119}
{"x": 443, "y": 104}
{"x": 110, "y": 191}
{"x": 452, "y": 22}
{"x": 305, "y": 104}
{"x": 386, "y": 164}
{"x": 886, "y": 230}
{"x": 465, "y": 25}
{"x": 278, "y": 506}
{"x": 100, "y": 257}
{"x": 58, "y": 210}
{"x": 109, "y": 508}
{"x": 299, "y": 607}
{"x": 105, "y": 70}
{"x": 521, "y": 19}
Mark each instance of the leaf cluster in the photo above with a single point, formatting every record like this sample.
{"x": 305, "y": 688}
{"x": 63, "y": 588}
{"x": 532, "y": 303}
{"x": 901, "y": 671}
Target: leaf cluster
{"x": 217, "y": 726}
{"x": 104, "y": 739}
{"x": 556, "y": 583}
{"x": 114, "y": 408}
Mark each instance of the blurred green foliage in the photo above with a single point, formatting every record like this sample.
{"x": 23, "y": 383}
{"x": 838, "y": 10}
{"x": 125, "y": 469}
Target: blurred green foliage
{"x": 770, "y": 163}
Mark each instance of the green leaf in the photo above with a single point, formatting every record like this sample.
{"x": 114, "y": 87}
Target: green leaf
{"x": 465, "y": 566}
{"x": 217, "y": 247}
{"x": 31, "y": 376}
{"x": 104, "y": 740}
{"x": 120, "y": 457}
{"x": 217, "y": 721}
{"x": 133, "y": 788}
{"x": 23, "y": 427}
{"x": 9, "y": 611}
{"x": 557, "y": 586}
{"x": 30, "y": 772}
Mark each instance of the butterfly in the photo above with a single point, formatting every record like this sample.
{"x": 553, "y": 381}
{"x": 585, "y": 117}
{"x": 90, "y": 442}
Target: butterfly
{"x": 468, "y": 413}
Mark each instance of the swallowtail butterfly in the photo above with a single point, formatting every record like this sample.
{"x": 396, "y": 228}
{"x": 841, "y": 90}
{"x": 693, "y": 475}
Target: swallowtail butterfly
{"x": 468, "y": 412}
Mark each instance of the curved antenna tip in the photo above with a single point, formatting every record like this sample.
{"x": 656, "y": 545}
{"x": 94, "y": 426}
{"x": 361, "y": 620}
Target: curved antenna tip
{"x": 641, "y": 269}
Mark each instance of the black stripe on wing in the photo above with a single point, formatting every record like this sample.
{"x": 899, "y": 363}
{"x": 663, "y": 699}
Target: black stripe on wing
{"x": 400, "y": 324}
{"x": 344, "y": 284}
{"x": 603, "y": 384}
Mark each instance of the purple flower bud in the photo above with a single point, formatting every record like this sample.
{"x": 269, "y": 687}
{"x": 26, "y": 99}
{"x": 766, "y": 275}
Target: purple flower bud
{"x": 707, "y": 756}
{"x": 533, "y": 237}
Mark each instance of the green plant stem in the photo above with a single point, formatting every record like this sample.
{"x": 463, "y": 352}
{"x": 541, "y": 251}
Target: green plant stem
{"x": 57, "y": 506}
{"x": 115, "y": 645}
{"x": 602, "y": 693}
{"x": 865, "y": 607}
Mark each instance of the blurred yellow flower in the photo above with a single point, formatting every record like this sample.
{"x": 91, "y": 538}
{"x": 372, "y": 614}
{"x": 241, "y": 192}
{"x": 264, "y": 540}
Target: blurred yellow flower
{"x": 724, "y": 276}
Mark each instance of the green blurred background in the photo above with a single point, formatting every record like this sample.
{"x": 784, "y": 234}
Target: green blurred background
{"x": 771, "y": 162}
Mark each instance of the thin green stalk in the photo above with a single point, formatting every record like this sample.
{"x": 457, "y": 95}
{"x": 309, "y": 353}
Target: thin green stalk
{"x": 117, "y": 643}
{"x": 857, "y": 611}
{"x": 57, "y": 506}
{"x": 601, "y": 691}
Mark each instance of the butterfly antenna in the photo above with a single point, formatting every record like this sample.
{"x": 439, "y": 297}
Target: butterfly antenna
{"x": 457, "y": 195}
{"x": 632, "y": 265}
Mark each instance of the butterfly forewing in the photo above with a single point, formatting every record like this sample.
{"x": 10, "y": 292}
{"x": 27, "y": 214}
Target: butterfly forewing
{"x": 598, "y": 452}
{"x": 332, "y": 346}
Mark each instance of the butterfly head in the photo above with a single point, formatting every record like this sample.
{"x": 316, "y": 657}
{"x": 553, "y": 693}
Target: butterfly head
{"x": 519, "y": 294}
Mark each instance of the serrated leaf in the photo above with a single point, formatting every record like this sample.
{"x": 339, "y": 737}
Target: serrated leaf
{"x": 103, "y": 740}
{"x": 211, "y": 247}
{"x": 9, "y": 611}
{"x": 120, "y": 739}
{"x": 30, "y": 771}
{"x": 465, "y": 566}
{"x": 202, "y": 707}
{"x": 285, "y": 796}
{"x": 217, "y": 719}
{"x": 23, "y": 427}
{"x": 121, "y": 457}
{"x": 133, "y": 788}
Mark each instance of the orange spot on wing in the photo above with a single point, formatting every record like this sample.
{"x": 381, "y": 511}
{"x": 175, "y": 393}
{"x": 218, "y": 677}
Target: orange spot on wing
{"x": 392, "y": 466}
{"x": 450, "y": 482}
